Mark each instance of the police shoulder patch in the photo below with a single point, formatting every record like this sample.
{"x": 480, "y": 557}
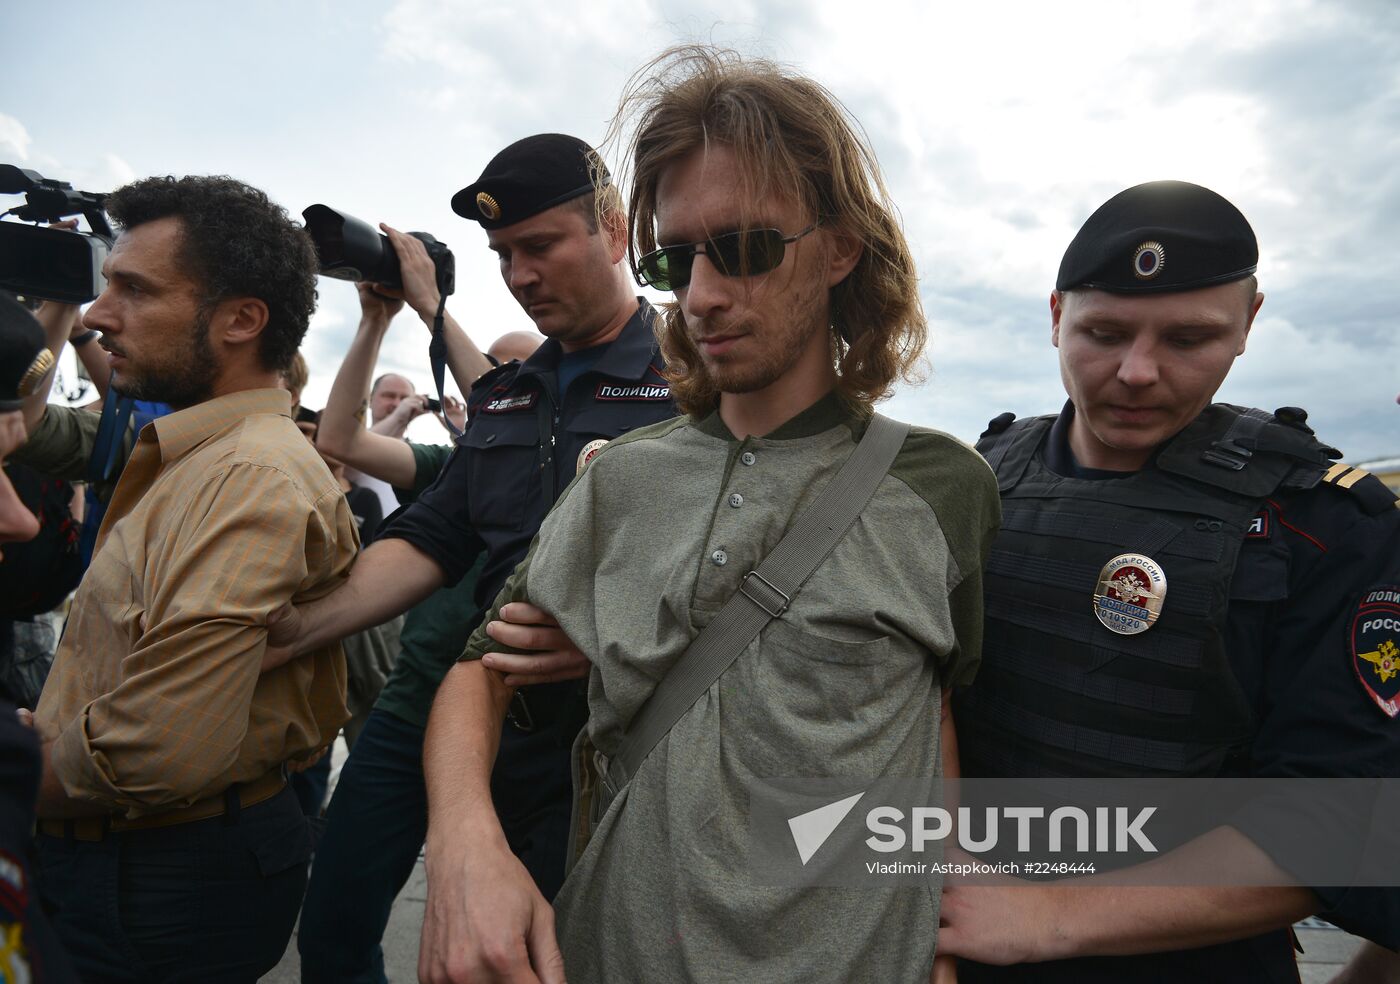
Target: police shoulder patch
{"x": 1373, "y": 639}
{"x": 14, "y": 893}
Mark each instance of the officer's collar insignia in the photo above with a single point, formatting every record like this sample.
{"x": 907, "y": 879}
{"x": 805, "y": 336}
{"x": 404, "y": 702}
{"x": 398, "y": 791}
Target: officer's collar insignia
{"x": 487, "y": 206}
{"x": 505, "y": 404}
{"x": 1374, "y": 640}
{"x": 38, "y": 369}
{"x": 590, "y": 450}
{"x": 1149, "y": 260}
{"x": 1130, "y": 593}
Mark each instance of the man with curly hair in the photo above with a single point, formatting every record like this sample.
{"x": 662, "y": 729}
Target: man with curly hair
{"x": 169, "y": 844}
{"x": 755, "y": 201}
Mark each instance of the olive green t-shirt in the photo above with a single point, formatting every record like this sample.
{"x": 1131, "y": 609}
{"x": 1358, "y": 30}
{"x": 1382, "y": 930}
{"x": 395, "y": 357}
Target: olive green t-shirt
{"x": 434, "y": 630}
{"x": 646, "y": 546}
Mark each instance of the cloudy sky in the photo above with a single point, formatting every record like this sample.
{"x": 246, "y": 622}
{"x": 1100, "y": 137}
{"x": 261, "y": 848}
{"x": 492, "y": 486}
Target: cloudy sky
{"x": 1000, "y": 128}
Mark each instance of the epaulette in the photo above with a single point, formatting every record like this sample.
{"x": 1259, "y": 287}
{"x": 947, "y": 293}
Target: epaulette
{"x": 1374, "y": 496}
{"x": 487, "y": 382}
{"x": 998, "y": 424}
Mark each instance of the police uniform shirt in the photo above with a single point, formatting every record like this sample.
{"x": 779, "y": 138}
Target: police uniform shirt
{"x": 523, "y": 446}
{"x": 1309, "y": 562}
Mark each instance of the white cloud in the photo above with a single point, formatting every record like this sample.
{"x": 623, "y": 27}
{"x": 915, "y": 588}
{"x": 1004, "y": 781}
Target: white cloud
{"x": 14, "y": 140}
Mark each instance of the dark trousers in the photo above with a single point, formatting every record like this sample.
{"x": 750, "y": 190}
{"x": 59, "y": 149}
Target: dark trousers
{"x": 209, "y": 901}
{"x": 376, "y": 824}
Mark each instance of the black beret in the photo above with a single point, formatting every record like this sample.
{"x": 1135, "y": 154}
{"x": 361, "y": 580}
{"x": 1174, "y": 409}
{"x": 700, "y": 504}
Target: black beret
{"x": 1160, "y": 236}
{"x": 526, "y": 178}
{"x": 24, "y": 360}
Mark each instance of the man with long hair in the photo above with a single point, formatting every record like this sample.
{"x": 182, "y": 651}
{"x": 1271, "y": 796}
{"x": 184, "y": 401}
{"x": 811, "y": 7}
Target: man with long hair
{"x": 754, "y": 200}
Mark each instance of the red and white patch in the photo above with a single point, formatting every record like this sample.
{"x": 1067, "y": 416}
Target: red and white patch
{"x": 1258, "y": 526}
{"x": 590, "y": 450}
{"x": 1373, "y": 639}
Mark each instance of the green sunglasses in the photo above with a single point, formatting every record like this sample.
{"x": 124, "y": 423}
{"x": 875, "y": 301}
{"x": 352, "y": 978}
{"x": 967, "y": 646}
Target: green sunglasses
{"x": 734, "y": 254}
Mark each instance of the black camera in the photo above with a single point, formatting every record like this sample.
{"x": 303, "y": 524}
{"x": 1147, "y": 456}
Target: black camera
{"x": 434, "y": 404}
{"x": 348, "y": 248}
{"x": 56, "y": 264}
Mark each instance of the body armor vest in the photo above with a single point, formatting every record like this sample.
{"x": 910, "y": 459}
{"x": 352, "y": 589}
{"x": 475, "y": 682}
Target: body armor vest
{"x": 1059, "y": 693}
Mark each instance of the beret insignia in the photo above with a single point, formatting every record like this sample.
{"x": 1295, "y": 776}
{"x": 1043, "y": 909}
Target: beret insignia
{"x": 1149, "y": 260}
{"x": 487, "y": 206}
{"x": 41, "y": 366}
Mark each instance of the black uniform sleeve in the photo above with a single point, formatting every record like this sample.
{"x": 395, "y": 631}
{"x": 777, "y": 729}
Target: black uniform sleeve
{"x": 1320, "y": 713}
{"x": 439, "y": 523}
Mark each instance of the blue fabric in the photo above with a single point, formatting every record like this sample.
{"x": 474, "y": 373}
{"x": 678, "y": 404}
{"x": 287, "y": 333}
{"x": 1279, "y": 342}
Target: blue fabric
{"x": 572, "y": 365}
{"x": 107, "y": 461}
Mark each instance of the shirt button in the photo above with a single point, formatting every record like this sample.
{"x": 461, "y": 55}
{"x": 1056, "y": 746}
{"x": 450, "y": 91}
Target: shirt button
{"x": 748, "y": 457}
{"x": 736, "y": 500}
{"x": 720, "y": 558}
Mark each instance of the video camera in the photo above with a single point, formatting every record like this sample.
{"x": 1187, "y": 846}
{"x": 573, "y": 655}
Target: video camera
{"x": 348, "y": 248}
{"x": 56, "y": 264}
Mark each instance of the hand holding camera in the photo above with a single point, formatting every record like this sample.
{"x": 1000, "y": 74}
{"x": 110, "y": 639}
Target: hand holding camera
{"x": 418, "y": 274}
{"x": 378, "y": 305}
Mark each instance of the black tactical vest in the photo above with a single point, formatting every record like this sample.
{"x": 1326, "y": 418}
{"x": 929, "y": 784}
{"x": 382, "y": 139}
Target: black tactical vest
{"x": 1061, "y": 694}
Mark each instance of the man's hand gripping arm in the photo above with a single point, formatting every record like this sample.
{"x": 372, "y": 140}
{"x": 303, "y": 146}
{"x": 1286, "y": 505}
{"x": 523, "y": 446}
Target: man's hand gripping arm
{"x": 389, "y": 578}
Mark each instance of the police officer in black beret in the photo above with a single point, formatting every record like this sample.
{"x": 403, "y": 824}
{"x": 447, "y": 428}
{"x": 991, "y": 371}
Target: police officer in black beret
{"x": 558, "y": 231}
{"x": 28, "y": 948}
{"x": 1175, "y": 592}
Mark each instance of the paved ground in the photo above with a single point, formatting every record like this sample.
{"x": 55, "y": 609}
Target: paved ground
{"x": 1325, "y": 949}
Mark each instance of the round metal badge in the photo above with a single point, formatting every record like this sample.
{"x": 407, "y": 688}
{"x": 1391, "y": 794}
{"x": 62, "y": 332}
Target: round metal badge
{"x": 487, "y": 206}
{"x": 589, "y": 450}
{"x": 1130, "y": 593}
{"x": 1149, "y": 260}
{"x": 38, "y": 369}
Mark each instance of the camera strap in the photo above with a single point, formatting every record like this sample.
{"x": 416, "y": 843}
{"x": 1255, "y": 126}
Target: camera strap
{"x": 437, "y": 355}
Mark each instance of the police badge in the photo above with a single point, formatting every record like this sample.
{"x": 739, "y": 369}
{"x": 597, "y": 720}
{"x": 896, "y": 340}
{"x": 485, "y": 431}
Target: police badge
{"x": 1130, "y": 594}
{"x": 589, "y": 450}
